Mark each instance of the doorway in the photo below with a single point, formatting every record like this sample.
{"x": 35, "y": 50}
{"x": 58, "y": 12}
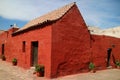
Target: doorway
{"x": 3, "y": 48}
{"x": 108, "y": 56}
{"x": 34, "y": 56}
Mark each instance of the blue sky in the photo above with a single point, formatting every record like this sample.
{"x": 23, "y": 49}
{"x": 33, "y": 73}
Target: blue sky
{"x": 100, "y": 13}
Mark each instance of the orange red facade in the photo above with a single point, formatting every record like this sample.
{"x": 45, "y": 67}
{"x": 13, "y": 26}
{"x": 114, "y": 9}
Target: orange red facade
{"x": 65, "y": 46}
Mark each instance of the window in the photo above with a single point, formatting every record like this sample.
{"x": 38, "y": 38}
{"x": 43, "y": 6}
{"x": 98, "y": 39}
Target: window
{"x": 23, "y": 46}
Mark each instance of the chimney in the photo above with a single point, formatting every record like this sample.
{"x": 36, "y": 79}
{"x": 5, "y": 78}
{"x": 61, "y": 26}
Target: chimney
{"x": 14, "y": 26}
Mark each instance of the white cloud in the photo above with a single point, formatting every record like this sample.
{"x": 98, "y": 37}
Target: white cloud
{"x": 26, "y": 9}
{"x": 103, "y": 13}
{"x": 94, "y": 12}
{"x": 15, "y": 9}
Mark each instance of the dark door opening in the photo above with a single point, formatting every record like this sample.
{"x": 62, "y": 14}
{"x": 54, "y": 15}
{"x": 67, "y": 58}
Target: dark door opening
{"x": 3, "y": 47}
{"x": 108, "y": 56}
{"x": 34, "y": 59}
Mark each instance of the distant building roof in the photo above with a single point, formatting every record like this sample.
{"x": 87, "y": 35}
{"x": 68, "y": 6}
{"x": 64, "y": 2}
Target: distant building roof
{"x": 113, "y": 32}
{"x": 1, "y": 31}
{"x": 52, "y": 16}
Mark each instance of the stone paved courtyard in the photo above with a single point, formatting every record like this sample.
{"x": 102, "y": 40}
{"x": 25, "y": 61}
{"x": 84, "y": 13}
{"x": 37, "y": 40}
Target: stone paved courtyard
{"x": 9, "y": 72}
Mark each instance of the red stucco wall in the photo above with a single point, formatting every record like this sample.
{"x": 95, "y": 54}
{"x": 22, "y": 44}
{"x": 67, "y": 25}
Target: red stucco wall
{"x": 13, "y": 47}
{"x": 70, "y": 44}
{"x": 100, "y": 44}
{"x": 3, "y": 37}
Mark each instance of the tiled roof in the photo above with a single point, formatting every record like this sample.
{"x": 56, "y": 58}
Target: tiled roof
{"x": 54, "y": 15}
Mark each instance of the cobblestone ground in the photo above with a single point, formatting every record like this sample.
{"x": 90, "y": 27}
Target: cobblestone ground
{"x": 110, "y": 74}
{"x": 9, "y": 72}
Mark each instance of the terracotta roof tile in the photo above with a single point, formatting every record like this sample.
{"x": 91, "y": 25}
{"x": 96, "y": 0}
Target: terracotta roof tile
{"x": 54, "y": 15}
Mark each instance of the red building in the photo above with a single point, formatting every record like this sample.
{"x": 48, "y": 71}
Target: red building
{"x": 61, "y": 41}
